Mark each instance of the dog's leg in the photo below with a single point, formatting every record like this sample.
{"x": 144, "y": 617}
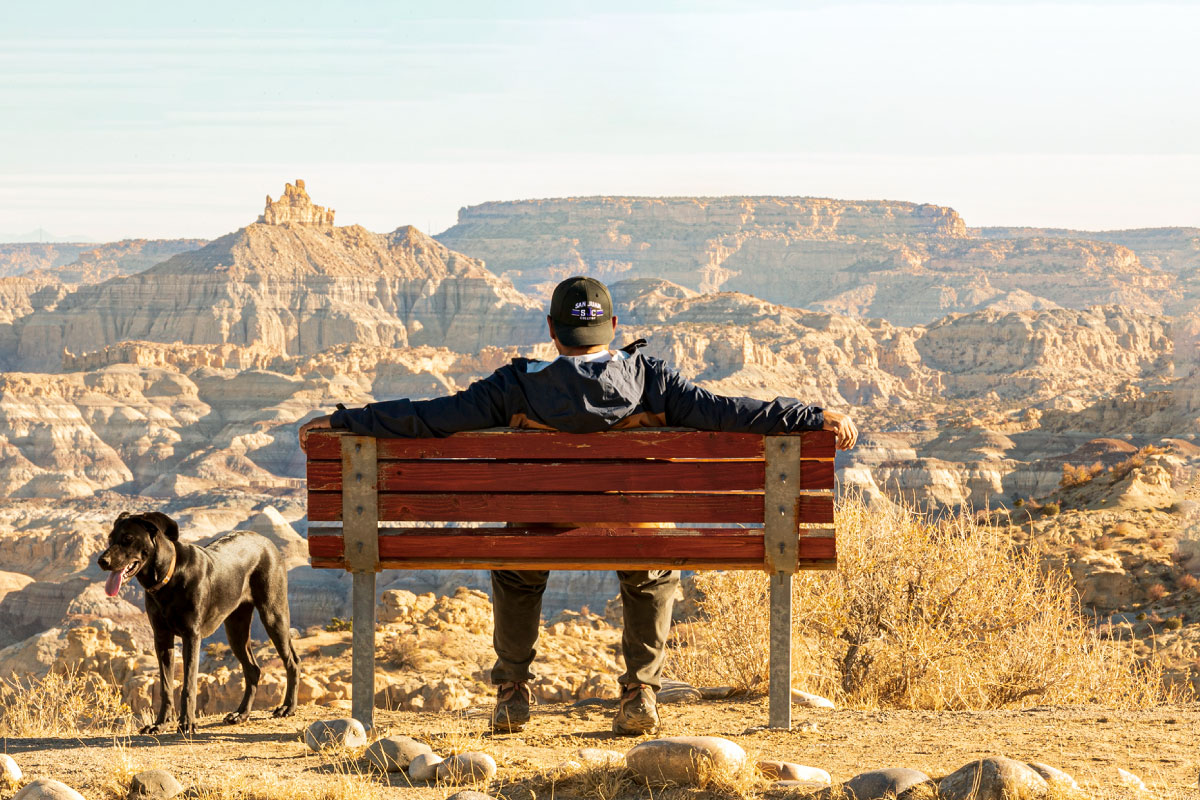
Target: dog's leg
{"x": 164, "y": 648}
{"x": 277, "y": 621}
{"x": 237, "y": 629}
{"x": 191, "y": 666}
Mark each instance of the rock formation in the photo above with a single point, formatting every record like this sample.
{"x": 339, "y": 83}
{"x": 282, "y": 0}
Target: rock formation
{"x": 289, "y": 289}
{"x": 294, "y": 206}
{"x": 903, "y": 262}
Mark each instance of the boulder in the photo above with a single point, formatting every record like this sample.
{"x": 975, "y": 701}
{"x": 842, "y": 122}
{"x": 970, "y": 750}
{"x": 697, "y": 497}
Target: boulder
{"x": 595, "y": 756}
{"x": 1054, "y": 777}
{"x": 788, "y": 771}
{"x": 10, "y": 773}
{"x": 880, "y": 783}
{"x": 344, "y": 732}
{"x": 678, "y": 692}
{"x": 395, "y": 753}
{"x": 994, "y": 778}
{"x": 424, "y": 767}
{"x": 154, "y": 784}
{"x": 463, "y": 767}
{"x": 468, "y": 794}
{"x": 808, "y": 700}
{"x": 47, "y": 789}
{"x": 678, "y": 759}
{"x": 717, "y": 692}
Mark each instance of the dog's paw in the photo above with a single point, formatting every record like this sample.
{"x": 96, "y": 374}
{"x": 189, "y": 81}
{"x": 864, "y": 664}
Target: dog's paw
{"x": 284, "y": 711}
{"x": 151, "y": 730}
{"x": 187, "y": 729}
{"x": 236, "y": 718}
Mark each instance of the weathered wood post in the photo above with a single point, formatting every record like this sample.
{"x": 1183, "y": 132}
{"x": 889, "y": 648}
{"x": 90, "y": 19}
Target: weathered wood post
{"x": 781, "y": 537}
{"x": 360, "y": 533}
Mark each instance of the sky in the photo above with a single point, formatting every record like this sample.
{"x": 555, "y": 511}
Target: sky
{"x": 152, "y": 119}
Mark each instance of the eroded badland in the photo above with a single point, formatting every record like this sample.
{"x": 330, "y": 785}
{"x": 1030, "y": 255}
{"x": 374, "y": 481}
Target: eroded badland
{"x": 1045, "y": 381}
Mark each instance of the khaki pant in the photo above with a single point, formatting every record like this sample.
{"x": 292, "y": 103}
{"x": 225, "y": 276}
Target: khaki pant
{"x": 647, "y": 598}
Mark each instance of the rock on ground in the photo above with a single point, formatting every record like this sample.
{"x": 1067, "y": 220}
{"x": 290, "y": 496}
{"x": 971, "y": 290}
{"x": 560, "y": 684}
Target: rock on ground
{"x": 47, "y": 789}
{"x": 881, "y": 783}
{"x": 395, "y": 753}
{"x": 154, "y": 784}
{"x": 345, "y": 732}
{"x": 1130, "y": 780}
{"x": 598, "y": 756}
{"x": 9, "y": 771}
{"x": 466, "y": 767}
{"x": 678, "y": 692}
{"x": 809, "y": 700}
{"x": 468, "y": 794}
{"x": 424, "y": 767}
{"x": 995, "y": 778}
{"x": 789, "y": 771}
{"x": 677, "y": 759}
{"x": 1054, "y": 776}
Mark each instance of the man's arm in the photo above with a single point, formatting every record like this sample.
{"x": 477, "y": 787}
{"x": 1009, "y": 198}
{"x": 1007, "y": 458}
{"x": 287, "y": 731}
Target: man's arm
{"x": 480, "y": 405}
{"x": 689, "y": 406}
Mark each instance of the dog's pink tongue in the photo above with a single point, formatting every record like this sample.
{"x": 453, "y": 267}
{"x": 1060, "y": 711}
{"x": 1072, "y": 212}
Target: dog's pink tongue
{"x": 113, "y": 584}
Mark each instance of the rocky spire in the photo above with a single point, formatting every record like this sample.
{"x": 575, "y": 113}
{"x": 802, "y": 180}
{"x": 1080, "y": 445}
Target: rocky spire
{"x": 295, "y": 206}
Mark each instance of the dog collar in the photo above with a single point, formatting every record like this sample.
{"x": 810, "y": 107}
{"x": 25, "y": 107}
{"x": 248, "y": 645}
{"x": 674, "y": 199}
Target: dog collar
{"x": 170, "y": 572}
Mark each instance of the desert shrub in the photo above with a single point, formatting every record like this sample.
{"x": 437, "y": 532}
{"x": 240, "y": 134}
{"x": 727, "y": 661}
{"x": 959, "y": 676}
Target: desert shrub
{"x": 1189, "y": 582}
{"x": 919, "y": 614}
{"x": 1173, "y": 624}
{"x": 1019, "y": 501}
{"x": 1079, "y": 475}
{"x": 1156, "y": 592}
{"x": 1121, "y": 470}
{"x": 404, "y": 652}
{"x": 62, "y": 704}
{"x": 1050, "y": 509}
{"x": 338, "y": 624}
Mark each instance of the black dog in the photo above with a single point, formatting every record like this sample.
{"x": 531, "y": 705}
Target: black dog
{"x": 190, "y": 590}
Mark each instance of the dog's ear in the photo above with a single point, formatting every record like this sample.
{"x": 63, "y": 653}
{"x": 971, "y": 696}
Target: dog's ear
{"x": 168, "y": 526}
{"x": 122, "y": 515}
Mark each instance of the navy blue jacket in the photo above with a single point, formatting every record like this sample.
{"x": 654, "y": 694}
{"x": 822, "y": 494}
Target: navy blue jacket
{"x": 576, "y": 396}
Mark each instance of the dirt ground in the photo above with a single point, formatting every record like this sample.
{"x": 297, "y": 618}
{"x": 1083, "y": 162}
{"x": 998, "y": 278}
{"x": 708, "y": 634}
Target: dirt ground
{"x": 1160, "y": 745}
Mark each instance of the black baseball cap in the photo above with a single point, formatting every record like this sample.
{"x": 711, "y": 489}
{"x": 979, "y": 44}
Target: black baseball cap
{"x": 581, "y": 309}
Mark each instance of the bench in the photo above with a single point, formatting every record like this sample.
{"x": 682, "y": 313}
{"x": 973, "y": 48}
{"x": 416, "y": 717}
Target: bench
{"x": 738, "y": 501}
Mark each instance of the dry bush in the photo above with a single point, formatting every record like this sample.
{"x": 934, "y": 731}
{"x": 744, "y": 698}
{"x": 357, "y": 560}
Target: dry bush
{"x": 919, "y": 614}
{"x": 62, "y": 704}
{"x": 1079, "y": 475}
{"x": 1189, "y": 582}
{"x": 404, "y": 652}
{"x": 342, "y": 785}
{"x": 1156, "y": 592}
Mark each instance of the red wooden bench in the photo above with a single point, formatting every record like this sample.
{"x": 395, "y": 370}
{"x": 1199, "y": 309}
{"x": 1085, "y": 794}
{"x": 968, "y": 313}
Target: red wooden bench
{"x": 362, "y": 491}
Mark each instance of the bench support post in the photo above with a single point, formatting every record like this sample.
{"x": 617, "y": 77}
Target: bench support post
{"x": 780, "y": 705}
{"x": 781, "y": 542}
{"x": 360, "y": 534}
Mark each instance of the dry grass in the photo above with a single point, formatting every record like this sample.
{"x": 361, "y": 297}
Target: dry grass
{"x": 61, "y": 704}
{"x": 919, "y": 614}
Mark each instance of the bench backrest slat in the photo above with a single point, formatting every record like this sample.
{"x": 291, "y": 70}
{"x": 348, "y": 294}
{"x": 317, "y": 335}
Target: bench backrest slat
{"x": 740, "y": 507}
{"x": 507, "y": 443}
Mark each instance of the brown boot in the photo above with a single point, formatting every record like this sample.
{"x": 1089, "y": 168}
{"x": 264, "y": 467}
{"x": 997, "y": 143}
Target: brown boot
{"x": 512, "y": 707}
{"x": 637, "y": 712}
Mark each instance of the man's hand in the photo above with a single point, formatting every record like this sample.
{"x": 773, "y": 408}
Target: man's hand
{"x": 843, "y": 428}
{"x": 313, "y": 424}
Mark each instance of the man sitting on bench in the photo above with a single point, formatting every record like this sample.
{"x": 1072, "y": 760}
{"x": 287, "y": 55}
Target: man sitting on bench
{"x": 588, "y": 388}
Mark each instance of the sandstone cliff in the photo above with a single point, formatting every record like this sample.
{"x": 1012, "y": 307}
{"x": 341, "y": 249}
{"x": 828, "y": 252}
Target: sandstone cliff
{"x": 903, "y": 262}
{"x": 290, "y": 288}
{"x": 90, "y": 263}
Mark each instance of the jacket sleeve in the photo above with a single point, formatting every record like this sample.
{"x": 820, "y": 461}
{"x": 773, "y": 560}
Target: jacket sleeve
{"x": 480, "y": 405}
{"x": 689, "y": 406}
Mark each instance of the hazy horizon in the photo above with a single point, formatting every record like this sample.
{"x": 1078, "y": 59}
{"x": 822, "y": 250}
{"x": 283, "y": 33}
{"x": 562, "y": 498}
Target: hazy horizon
{"x": 147, "y": 121}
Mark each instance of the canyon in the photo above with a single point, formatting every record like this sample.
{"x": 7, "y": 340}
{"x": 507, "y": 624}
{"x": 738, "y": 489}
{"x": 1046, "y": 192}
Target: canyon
{"x": 978, "y": 362}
